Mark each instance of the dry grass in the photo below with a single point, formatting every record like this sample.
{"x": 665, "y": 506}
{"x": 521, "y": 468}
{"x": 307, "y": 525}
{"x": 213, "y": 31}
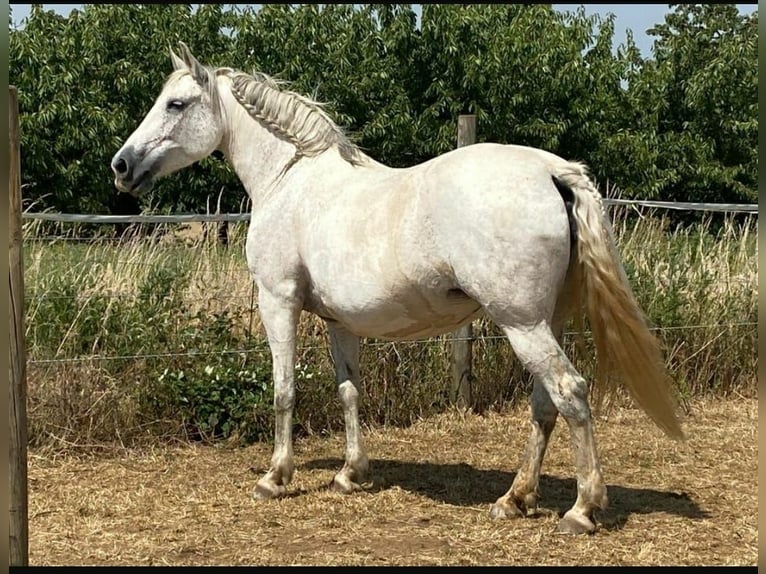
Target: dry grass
{"x": 671, "y": 503}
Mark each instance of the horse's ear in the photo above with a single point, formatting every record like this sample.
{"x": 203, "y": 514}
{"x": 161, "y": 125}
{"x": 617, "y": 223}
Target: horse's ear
{"x": 178, "y": 63}
{"x": 198, "y": 70}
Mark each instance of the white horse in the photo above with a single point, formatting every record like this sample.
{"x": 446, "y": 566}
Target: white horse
{"x": 511, "y": 231}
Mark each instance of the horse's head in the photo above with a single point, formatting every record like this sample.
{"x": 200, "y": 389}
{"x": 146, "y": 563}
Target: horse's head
{"x": 183, "y": 126}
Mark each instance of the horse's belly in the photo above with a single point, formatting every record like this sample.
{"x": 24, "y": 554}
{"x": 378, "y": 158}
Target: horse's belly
{"x": 409, "y": 314}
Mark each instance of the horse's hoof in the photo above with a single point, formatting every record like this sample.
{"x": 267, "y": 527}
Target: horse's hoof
{"x": 268, "y": 490}
{"x": 502, "y": 509}
{"x": 573, "y": 523}
{"x": 343, "y": 484}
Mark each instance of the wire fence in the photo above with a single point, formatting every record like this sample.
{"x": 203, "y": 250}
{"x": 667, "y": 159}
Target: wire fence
{"x": 245, "y": 217}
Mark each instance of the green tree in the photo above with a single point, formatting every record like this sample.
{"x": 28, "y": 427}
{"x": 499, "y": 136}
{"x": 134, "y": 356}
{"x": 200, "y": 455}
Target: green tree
{"x": 679, "y": 125}
{"x": 357, "y": 61}
{"x": 705, "y": 74}
{"x": 529, "y": 73}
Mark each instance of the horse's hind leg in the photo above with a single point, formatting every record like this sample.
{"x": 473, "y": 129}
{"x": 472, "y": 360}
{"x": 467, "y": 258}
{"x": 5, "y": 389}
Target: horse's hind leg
{"x": 522, "y": 497}
{"x": 523, "y": 493}
{"x": 344, "y": 348}
{"x": 540, "y": 353}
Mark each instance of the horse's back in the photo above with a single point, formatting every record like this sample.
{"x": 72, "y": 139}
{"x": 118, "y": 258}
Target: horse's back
{"x": 508, "y": 158}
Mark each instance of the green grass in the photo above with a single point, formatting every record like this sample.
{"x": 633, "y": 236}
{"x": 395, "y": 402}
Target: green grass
{"x": 180, "y": 353}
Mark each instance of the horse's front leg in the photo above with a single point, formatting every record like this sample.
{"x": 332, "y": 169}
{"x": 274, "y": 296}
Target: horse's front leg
{"x": 344, "y": 348}
{"x": 279, "y": 315}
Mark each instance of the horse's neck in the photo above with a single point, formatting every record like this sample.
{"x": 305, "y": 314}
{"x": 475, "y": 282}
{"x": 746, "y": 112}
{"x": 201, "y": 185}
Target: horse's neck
{"x": 260, "y": 158}
{"x": 257, "y": 156}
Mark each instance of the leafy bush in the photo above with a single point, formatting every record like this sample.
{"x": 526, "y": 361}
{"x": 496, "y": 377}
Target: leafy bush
{"x": 216, "y": 401}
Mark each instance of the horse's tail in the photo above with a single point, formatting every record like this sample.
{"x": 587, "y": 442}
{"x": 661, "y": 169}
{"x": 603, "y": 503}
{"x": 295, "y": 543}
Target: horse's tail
{"x": 624, "y": 344}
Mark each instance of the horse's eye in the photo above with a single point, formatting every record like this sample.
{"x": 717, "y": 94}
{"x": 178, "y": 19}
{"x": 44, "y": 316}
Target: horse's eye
{"x": 176, "y": 105}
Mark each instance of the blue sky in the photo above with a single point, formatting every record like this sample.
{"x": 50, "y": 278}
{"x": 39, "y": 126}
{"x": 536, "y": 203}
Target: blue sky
{"x": 637, "y": 17}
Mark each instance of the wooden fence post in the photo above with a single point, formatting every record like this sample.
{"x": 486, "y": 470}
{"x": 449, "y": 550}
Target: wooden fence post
{"x": 462, "y": 352}
{"x": 19, "y": 529}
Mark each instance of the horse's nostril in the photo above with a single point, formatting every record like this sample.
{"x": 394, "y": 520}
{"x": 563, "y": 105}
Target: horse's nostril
{"x": 120, "y": 166}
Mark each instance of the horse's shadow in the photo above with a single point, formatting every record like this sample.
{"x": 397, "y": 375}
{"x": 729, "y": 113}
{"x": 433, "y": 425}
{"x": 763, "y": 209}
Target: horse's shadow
{"x": 464, "y": 485}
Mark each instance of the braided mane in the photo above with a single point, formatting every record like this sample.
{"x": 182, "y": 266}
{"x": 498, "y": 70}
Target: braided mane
{"x": 296, "y": 118}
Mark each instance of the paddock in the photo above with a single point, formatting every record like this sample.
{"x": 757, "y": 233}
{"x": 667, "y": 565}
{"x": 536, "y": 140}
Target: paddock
{"x": 690, "y": 503}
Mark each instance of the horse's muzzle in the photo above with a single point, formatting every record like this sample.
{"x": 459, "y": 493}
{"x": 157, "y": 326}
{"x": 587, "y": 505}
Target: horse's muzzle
{"x": 125, "y": 178}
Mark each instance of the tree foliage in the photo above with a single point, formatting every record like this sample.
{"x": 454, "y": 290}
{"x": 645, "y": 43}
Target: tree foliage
{"x": 680, "y": 124}
{"x": 706, "y": 62}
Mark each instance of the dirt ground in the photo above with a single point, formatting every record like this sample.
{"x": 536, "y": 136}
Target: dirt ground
{"x": 690, "y": 503}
